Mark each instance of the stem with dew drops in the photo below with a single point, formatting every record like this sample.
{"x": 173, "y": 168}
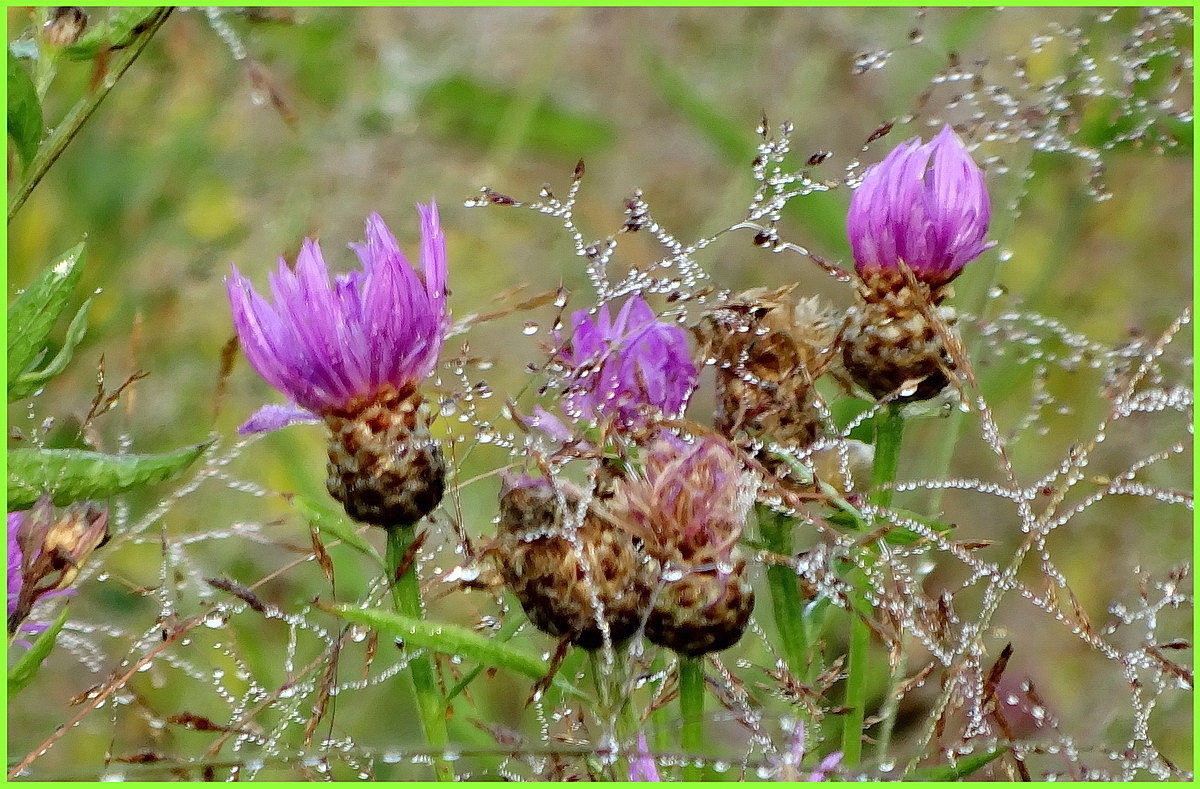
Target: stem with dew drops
{"x": 889, "y": 433}
{"x": 406, "y": 596}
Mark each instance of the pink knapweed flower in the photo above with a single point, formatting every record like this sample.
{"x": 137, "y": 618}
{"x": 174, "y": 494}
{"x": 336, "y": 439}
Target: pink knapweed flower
{"x": 333, "y": 347}
{"x": 924, "y": 204}
{"x": 627, "y": 367}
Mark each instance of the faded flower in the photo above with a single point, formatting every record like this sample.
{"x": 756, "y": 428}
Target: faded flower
{"x": 693, "y": 498}
{"x": 45, "y": 552}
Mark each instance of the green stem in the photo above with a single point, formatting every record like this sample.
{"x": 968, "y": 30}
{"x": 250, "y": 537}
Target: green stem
{"x": 889, "y": 434}
{"x": 406, "y": 596}
{"x": 856, "y": 684}
{"x": 891, "y": 706}
{"x": 691, "y": 709}
{"x": 786, "y": 603}
{"x": 65, "y": 131}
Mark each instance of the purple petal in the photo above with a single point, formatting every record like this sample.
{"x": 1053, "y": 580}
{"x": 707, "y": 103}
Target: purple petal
{"x": 643, "y": 767}
{"x": 326, "y": 345}
{"x": 627, "y": 365}
{"x": 274, "y": 417}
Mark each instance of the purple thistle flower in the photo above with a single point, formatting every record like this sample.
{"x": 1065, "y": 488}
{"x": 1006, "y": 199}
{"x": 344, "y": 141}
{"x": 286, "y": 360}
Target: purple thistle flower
{"x": 333, "y": 347}
{"x": 924, "y": 204}
{"x": 625, "y": 365}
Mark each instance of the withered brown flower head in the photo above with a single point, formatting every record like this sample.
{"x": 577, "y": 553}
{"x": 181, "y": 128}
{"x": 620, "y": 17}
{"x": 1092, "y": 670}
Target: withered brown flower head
{"x": 769, "y": 346}
{"x": 694, "y": 498}
{"x": 46, "y": 551}
{"x": 574, "y": 570}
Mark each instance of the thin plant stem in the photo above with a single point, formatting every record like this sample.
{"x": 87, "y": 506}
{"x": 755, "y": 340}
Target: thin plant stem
{"x": 786, "y": 603}
{"x": 891, "y": 706}
{"x": 406, "y": 596}
{"x": 888, "y": 438}
{"x": 616, "y": 703}
{"x": 691, "y": 709}
{"x": 889, "y": 433}
{"x": 66, "y": 130}
{"x": 856, "y": 683}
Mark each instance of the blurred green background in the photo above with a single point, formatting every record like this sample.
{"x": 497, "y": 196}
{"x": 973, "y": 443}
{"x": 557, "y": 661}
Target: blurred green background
{"x": 231, "y": 140}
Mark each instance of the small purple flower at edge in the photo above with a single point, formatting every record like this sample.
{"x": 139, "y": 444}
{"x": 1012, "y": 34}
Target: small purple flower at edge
{"x": 924, "y": 204}
{"x": 333, "y": 347}
{"x": 45, "y": 551}
{"x": 624, "y": 365}
{"x": 642, "y": 766}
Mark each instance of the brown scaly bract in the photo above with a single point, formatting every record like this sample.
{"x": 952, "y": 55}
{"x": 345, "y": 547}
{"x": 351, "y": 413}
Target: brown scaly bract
{"x": 384, "y": 467}
{"x": 558, "y": 577}
{"x": 889, "y": 342}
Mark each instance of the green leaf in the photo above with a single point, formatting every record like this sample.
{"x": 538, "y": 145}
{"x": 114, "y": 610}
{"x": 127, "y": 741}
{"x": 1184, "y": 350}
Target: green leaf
{"x": 33, "y": 314}
{"x": 453, "y": 640}
{"x": 114, "y": 33}
{"x": 334, "y": 523}
{"x": 25, "y": 669}
{"x": 954, "y": 772}
{"x": 28, "y": 383}
{"x": 24, "y": 111}
{"x": 74, "y": 474}
{"x": 512, "y": 623}
{"x": 732, "y": 140}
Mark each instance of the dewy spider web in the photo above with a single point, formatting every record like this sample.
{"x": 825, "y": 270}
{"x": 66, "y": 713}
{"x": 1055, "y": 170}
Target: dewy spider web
{"x": 187, "y": 658}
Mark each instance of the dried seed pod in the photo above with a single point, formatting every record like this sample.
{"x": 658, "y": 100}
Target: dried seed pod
{"x": 889, "y": 343}
{"x": 569, "y": 581}
{"x": 384, "y": 467}
{"x": 769, "y": 346}
{"x": 704, "y": 611}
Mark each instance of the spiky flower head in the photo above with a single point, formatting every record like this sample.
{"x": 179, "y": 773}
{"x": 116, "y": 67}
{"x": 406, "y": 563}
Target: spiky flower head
{"x": 354, "y": 353}
{"x": 693, "y": 498}
{"x": 629, "y": 367}
{"x": 332, "y": 347}
{"x": 926, "y": 204}
{"x": 770, "y": 346}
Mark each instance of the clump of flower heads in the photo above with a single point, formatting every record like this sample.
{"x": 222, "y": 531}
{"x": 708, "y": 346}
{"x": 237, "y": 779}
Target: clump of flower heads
{"x": 45, "y": 553}
{"x": 694, "y": 498}
{"x": 576, "y": 572}
{"x": 924, "y": 207}
{"x": 354, "y": 354}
